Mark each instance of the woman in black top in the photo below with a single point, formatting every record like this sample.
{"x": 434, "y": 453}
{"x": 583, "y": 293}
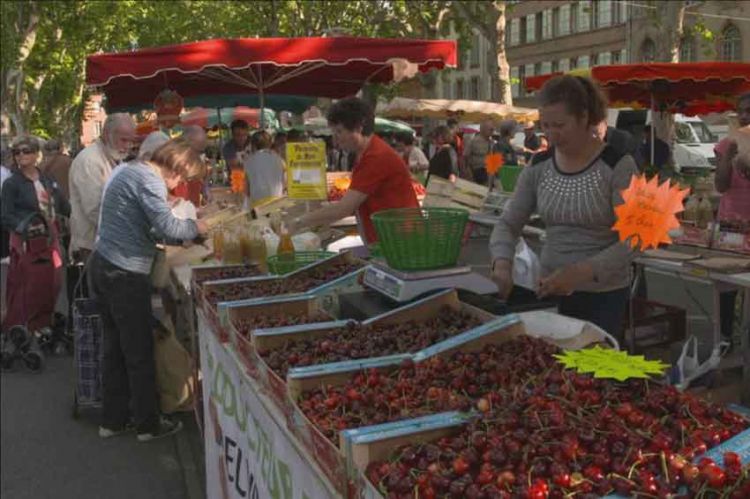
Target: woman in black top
{"x": 28, "y": 191}
{"x": 444, "y": 163}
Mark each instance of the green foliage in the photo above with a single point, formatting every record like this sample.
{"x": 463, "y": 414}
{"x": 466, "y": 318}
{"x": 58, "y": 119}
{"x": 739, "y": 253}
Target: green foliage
{"x": 52, "y": 91}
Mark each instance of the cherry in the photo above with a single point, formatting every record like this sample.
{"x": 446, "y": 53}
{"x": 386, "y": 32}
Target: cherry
{"x": 460, "y": 466}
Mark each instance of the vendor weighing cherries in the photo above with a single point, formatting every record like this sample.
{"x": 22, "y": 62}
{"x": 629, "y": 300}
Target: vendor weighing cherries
{"x": 380, "y": 179}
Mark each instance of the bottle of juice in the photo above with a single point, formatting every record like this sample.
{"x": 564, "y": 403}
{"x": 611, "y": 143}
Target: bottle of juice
{"x": 219, "y": 243}
{"x": 705, "y": 212}
{"x": 285, "y": 242}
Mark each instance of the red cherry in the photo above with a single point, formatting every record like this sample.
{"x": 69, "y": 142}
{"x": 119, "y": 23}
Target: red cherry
{"x": 732, "y": 460}
{"x": 562, "y": 480}
{"x": 460, "y": 466}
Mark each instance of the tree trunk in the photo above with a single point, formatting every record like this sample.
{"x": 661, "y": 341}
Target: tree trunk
{"x": 15, "y": 93}
{"x": 670, "y": 20}
{"x": 502, "y": 75}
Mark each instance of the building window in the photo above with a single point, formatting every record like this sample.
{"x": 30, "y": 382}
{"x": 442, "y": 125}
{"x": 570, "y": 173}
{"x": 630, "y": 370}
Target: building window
{"x": 475, "y": 48}
{"x": 555, "y": 67}
{"x": 619, "y": 12}
{"x": 521, "y": 80}
{"x": 604, "y": 59}
{"x": 491, "y": 59}
{"x": 603, "y": 13}
{"x": 584, "y": 62}
{"x": 584, "y": 16}
{"x": 563, "y": 25}
{"x": 648, "y": 50}
{"x": 573, "y": 62}
{"x": 564, "y": 65}
{"x": 730, "y": 44}
{"x": 687, "y": 49}
{"x": 546, "y": 68}
{"x": 459, "y": 89}
{"x": 616, "y": 57}
{"x": 547, "y": 25}
{"x": 515, "y": 32}
{"x": 474, "y": 89}
{"x": 530, "y": 28}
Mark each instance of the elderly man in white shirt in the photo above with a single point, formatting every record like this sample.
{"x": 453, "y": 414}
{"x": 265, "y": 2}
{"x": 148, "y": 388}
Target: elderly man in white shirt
{"x": 88, "y": 175}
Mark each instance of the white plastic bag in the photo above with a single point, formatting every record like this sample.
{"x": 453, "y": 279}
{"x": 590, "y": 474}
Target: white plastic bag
{"x": 527, "y": 271}
{"x": 271, "y": 239}
{"x": 307, "y": 241}
{"x": 184, "y": 210}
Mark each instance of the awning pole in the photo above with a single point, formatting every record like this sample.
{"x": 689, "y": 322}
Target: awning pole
{"x": 653, "y": 126}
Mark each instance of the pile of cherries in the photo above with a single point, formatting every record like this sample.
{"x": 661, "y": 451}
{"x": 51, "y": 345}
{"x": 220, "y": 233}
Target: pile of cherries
{"x": 555, "y": 433}
{"x": 461, "y": 382}
{"x": 231, "y": 272}
{"x": 245, "y": 326}
{"x": 357, "y": 341}
{"x": 299, "y": 283}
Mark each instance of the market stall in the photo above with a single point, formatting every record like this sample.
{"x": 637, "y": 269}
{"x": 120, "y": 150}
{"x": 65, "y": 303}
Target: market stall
{"x": 466, "y": 110}
{"x": 291, "y": 407}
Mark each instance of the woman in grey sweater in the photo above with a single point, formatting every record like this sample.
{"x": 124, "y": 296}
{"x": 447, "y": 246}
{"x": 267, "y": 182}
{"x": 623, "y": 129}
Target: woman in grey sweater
{"x": 134, "y": 215}
{"x": 574, "y": 187}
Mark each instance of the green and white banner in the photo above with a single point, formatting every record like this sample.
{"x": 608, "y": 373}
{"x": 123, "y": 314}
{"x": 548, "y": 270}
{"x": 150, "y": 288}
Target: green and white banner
{"x": 249, "y": 451}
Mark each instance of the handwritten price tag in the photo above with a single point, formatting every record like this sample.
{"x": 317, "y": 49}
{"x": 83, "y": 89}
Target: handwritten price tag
{"x": 648, "y": 212}
{"x": 606, "y": 363}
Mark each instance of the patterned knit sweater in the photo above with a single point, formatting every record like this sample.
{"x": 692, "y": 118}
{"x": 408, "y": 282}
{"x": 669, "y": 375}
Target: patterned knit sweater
{"x": 578, "y": 213}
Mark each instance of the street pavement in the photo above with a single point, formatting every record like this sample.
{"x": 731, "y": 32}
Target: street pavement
{"x": 47, "y": 453}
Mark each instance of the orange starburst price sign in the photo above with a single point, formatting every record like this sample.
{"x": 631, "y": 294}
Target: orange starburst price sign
{"x": 492, "y": 163}
{"x": 648, "y": 212}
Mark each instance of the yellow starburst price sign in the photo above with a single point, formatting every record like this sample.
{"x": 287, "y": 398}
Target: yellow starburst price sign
{"x": 648, "y": 212}
{"x": 607, "y": 363}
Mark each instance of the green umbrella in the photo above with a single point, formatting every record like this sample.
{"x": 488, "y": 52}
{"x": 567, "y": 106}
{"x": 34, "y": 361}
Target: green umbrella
{"x": 319, "y": 126}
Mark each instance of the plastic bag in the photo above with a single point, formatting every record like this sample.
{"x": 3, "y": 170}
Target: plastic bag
{"x": 175, "y": 382}
{"x": 185, "y": 210}
{"x": 307, "y": 241}
{"x": 527, "y": 271}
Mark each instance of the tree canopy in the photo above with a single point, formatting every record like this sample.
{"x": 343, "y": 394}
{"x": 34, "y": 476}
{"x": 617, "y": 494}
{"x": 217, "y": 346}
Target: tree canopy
{"x": 45, "y": 43}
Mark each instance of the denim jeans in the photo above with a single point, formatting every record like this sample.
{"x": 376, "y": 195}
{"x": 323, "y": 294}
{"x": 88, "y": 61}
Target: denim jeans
{"x": 129, "y": 377}
{"x": 605, "y": 309}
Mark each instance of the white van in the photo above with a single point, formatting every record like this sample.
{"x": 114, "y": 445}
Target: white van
{"x": 694, "y": 143}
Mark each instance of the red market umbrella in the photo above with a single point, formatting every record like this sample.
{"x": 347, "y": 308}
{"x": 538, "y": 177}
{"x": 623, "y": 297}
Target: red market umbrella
{"x": 322, "y": 67}
{"x": 686, "y": 88}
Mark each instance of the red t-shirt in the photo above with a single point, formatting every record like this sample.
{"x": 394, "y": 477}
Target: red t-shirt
{"x": 382, "y": 175}
{"x": 190, "y": 191}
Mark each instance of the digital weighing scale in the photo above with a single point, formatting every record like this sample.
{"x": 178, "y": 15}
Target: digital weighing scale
{"x": 405, "y": 286}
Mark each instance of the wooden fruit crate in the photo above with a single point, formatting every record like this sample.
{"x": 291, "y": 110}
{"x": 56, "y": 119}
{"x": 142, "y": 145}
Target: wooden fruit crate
{"x": 461, "y": 194}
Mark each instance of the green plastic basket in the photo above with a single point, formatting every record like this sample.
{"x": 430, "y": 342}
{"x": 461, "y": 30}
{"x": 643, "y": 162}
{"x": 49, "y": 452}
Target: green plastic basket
{"x": 289, "y": 262}
{"x": 509, "y": 176}
{"x": 420, "y": 238}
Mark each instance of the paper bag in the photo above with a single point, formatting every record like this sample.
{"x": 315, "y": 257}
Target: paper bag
{"x": 174, "y": 372}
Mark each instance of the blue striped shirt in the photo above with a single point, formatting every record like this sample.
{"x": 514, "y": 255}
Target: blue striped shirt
{"x": 134, "y": 211}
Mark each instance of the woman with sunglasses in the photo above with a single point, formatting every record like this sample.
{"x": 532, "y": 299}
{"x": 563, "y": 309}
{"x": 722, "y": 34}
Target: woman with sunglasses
{"x": 28, "y": 191}
{"x": 25, "y": 193}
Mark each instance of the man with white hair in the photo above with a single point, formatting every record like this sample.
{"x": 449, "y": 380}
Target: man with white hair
{"x": 197, "y": 138}
{"x": 88, "y": 175}
{"x": 192, "y": 189}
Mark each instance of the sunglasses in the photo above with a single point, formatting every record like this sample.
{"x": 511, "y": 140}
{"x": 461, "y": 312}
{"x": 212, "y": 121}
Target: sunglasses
{"x": 16, "y": 152}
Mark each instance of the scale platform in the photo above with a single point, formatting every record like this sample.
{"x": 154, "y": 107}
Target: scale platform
{"x": 405, "y": 286}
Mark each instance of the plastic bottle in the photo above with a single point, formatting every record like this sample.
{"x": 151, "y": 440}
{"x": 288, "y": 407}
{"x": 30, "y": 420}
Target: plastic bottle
{"x": 219, "y": 243}
{"x": 705, "y": 213}
{"x": 691, "y": 210}
{"x": 285, "y": 242}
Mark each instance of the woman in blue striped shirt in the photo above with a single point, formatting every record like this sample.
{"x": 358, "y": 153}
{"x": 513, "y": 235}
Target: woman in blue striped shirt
{"x": 134, "y": 216}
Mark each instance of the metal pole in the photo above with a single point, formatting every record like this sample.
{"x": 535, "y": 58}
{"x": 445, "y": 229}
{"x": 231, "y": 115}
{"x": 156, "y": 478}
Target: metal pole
{"x": 653, "y": 126}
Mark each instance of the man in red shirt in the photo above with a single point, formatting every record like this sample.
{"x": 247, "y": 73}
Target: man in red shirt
{"x": 380, "y": 179}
